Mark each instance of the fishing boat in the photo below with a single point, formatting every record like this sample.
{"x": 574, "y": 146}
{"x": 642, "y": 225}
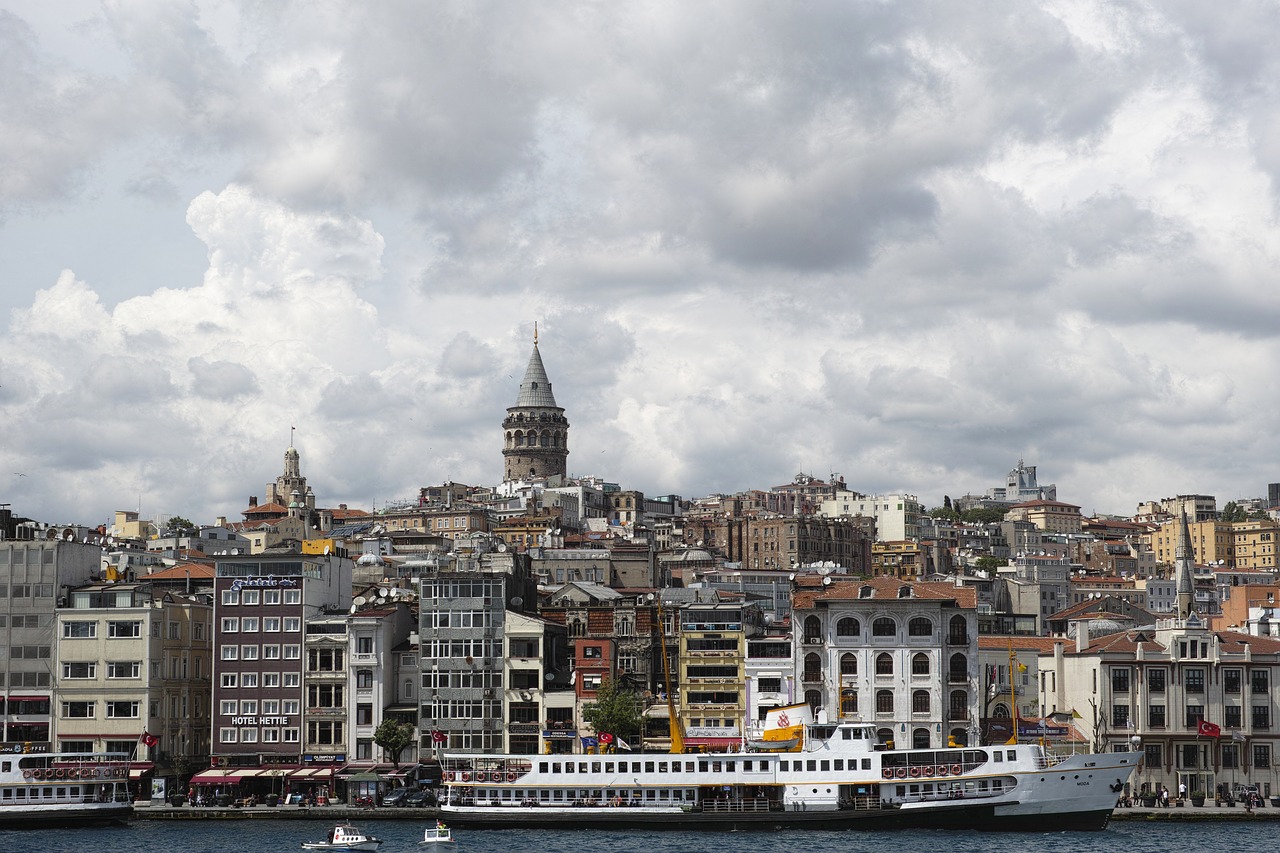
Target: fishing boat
{"x": 63, "y": 789}
{"x": 440, "y": 837}
{"x": 839, "y": 776}
{"x": 344, "y": 836}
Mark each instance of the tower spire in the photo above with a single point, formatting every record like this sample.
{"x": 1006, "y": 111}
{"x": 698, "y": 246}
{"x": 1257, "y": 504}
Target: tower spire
{"x": 535, "y": 430}
{"x": 1184, "y": 562}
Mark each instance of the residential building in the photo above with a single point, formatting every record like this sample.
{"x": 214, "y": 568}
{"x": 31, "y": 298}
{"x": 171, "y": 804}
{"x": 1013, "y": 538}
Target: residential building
{"x": 1048, "y": 516}
{"x": 897, "y": 516}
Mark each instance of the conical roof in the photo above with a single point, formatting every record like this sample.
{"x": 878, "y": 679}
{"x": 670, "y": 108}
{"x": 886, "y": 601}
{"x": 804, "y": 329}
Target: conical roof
{"x": 535, "y": 388}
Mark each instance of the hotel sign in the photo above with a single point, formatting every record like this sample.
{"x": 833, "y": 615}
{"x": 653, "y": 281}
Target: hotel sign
{"x": 259, "y": 721}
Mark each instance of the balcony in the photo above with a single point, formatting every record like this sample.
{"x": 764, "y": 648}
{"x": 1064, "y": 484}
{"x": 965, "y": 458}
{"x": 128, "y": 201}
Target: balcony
{"x": 958, "y": 715}
{"x": 812, "y": 677}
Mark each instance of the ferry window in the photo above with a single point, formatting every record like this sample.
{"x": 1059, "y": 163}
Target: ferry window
{"x": 997, "y": 755}
{"x": 648, "y": 767}
{"x": 62, "y": 792}
{"x": 866, "y": 764}
{"x": 595, "y": 767}
{"x": 542, "y": 767}
{"x": 825, "y": 766}
{"x": 783, "y": 766}
{"x": 557, "y": 795}
{"x": 812, "y": 766}
{"x": 731, "y": 766}
{"x": 582, "y": 767}
{"x": 568, "y": 767}
{"x": 608, "y": 767}
{"x": 702, "y": 767}
{"x": 839, "y": 764}
{"x": 715, "y": 767}
{"x": 1013, "y": 756}
{"x": 7, "y": 766}
{"x": 746, "y": 766}
{"x": 688, "y": 767}
{"x": 662, "y": 767}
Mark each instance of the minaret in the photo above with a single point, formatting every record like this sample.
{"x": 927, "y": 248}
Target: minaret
{"x": 536, "y": 432}
{"x": 1184, "y": 562}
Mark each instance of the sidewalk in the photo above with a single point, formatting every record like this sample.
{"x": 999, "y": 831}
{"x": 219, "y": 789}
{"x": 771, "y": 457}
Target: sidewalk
{"x": 1209, "y": 811}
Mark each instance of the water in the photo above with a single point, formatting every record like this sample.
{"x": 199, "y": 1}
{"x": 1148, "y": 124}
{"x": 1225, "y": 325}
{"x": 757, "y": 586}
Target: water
{"x": 243, "y": 836}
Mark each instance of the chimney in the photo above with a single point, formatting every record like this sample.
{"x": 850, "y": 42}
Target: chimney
{"x": 1059, "y": 670}
{"x": 1082, "y": 635}
{"x": 253, "y": 501}
{"x": 220, "y": 521}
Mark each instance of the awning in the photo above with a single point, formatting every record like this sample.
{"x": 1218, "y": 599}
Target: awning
{"x": 312, "y": 773}
{"x": 233, "y": 776}
{"x": 140, "y": 768}
{"x": 363, "y": 777}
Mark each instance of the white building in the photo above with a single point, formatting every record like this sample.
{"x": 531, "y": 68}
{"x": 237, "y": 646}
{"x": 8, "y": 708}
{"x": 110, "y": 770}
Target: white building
{"x": 897, "y": 515}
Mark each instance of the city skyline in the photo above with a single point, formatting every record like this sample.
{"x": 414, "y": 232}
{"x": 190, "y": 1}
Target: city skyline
{"x": 906, "y": 246}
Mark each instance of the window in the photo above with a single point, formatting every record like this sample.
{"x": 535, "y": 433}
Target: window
{"x": 79, "y": 670}
{"x": 1193, "y": 680}
{"x": 848, "y": 666}
{"x": 364, "y": 645}
{"x": 884, "y": 664}
{"x": 884, "y": 627}
{"x": 1258, "y": 681}
{"x": 270, "y": 679}
{"x": 324, "y": 732}
{"x": 848, "y": 627}
{"x": 292, "y": 679}
{"x": 271, "y": 652}
{"x": 271, "y": 596}
{"x": 230, "y": 625}
{"x": 1154, "y": 754}
{"x": 1231, "y": 717}
{"x": 292, "y": 624}
{"x": 248, "y": 652}
{"x": 1231, "y": 681}
{"x": 270, "y": 735}
{"x": 229, "y": 679}
{"x": 920, "y": 664}
{"x": 230, "y": 597}
{"x": 292, "y": 653}
{"x": 250, "y": 596}
{"x": 227, "y": 707}
{"x": 1156, "y": 680}
{"x": 124, "y": 630}
{"x": 230, "y": 652}
{"x": 292, "y": 596}
{"x": 1120, "y": 679}
{"x": 249, "y": 736}
{"x": 364, "y": 678}
{"x": 920, "y": 702}
{"x": 122, "y": 710}
{"x": 249, "y": 623}
{"x": 1230, "y": 756}
{"x": 289, "y": 735}
{"x": 1261, "y": 717}
{"x": 884, "y": 701}
{"x": 920, "y": 627}
{"x": 248, "y": 706}
{"x": 1195, "y": 713}
{"x": 79, "y": 710}
{"x": 271, "y": 707}
{"x": 124, "y": 669}
{"x": 1120, "y": 716}
{"x": 227, "y": 735}
{"x": 79, "y": 630}
{"x": 248, "y": 679}
{"x": 290, "y": 706}
{"x": 1261, "y": 755}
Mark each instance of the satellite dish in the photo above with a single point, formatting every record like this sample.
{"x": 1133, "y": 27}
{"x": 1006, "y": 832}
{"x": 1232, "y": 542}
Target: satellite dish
{"x": 517, "y": 601}
{"x": 382, "y": 593}
{"x": 358, "y": 600}
{"x": 502, "y": 547}
{"x": 327, "y": 550}
{"x": 826, "y": 581}
{"x": 550, "y": 676}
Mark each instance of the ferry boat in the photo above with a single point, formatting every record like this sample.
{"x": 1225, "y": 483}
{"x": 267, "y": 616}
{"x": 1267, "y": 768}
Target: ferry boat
{"x": 841, "y": 777}
{"x": 63, "y": 789}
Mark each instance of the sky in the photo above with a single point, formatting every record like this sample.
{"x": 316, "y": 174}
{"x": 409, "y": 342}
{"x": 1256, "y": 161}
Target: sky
{"x": 907, "y": 243}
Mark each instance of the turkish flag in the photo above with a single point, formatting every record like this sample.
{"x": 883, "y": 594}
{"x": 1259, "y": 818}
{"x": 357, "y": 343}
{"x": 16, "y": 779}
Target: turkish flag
{"x": 149, "y": 739}
{"x": 606, "y": 737}
{"x": 1208, "y": 729}
{"x": 438, "y": 736}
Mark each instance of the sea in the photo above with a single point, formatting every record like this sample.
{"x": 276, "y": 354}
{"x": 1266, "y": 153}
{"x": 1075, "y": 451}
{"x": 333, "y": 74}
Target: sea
{"x": 252, "y": 836}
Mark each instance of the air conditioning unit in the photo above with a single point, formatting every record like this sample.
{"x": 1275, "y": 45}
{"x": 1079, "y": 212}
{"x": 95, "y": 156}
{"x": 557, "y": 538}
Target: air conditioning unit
{"x": 488, "y": 693}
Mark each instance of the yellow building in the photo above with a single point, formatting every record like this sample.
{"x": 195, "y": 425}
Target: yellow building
{"x": 1255, "y": 544}
{"x": 1049, "y": 516}
{"x": 904, "y": 559}
{"x": 1210, "y": 541}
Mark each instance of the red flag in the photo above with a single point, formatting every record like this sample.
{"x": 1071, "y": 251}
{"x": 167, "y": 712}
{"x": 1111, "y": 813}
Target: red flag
{"x": 1208, "y": 729}
{"x": 606, "y": 737}
{"x": 149, "y": 739}
{"x": 438, "y": 736}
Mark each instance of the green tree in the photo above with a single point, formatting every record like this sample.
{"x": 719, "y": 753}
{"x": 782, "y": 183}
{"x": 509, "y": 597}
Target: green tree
{"x": 178, "y": 524}
{"x": 982, "y": 516}
{"x": 1233, "y": 512}
{"x": 944, "y": 512}
{"x": 988, "y": 564}
{"x": 393, "y": 736}
{"x": 616, "y": 710}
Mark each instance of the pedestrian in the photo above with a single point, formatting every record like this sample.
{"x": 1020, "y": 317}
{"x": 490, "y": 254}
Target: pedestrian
{"x": 1182, "y": 790}
{"x": 1164, "y": 796}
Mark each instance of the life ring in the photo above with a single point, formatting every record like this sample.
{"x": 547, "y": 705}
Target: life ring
{"x": 956, "y": 769}
{"x": 915, "y": 772}
{"x": 466, "y": 777}
{"x": 943, "y": 770}
{"x": 511, "y": 777}
{"x": 928, "y": 771}
{"x": 887, "y": 773}
{"x": 448, "y": 776}
{"x": 60, "y": 773}
{"x": 902, "y": 772}
{"x": 96, "y": 772}
{"x": 26, "y": 774}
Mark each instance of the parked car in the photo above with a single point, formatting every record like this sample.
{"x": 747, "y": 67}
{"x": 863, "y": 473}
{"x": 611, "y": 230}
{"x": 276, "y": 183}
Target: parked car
{"x": 395, "y": 797}
{"x": 419, "y": 798}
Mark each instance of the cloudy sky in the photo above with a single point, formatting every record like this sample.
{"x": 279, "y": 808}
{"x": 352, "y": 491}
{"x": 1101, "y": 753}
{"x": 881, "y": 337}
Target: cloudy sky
{"x": 907, "y": 242}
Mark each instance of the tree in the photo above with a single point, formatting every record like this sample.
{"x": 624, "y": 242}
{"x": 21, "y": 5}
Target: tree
{"x": 988, "y": 564}
{"x": 1233, "y": 512}
{"x": 393, "y": 736}
{"x": 944, "y": 512}
{"x": 178, "y": 524}
{"x": 616, "y": 710}
{"x": 982, "y": 516}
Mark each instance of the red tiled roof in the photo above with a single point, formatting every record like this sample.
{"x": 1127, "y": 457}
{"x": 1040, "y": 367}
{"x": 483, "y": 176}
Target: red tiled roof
{"x": 267, "y": 509}
{"x": 811, "y": 590}
{"x": 195, "y": 571}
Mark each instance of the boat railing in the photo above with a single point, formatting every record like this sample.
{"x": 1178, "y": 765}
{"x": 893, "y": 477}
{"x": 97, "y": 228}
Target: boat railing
{"x": 753, "y": 804}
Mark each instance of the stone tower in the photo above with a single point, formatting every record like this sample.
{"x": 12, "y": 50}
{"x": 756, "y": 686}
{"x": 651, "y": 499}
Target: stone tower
{"x": 536, "y": 432}
{"x": 1184, "y": 562}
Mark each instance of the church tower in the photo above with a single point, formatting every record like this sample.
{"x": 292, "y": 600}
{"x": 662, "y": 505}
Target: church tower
{"x": 536, "y": 432}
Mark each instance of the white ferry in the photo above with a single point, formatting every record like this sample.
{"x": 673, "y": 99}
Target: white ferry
{"x": 63, "y": 789}
{"x": 840, "y": 778}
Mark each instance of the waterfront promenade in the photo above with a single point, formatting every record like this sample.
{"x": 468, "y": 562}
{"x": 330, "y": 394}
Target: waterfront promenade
{"x": 146, "y": 810}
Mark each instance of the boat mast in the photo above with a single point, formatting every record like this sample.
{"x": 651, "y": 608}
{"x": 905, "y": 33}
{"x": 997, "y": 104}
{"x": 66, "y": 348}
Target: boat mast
{"x": 1013, "y": 696}
{"x": 673, "y": 722}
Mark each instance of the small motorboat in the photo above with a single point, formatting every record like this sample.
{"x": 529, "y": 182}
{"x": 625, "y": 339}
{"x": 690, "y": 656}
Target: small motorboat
{"x": 344, "y": 836}
{"x": 440, "y": 836}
